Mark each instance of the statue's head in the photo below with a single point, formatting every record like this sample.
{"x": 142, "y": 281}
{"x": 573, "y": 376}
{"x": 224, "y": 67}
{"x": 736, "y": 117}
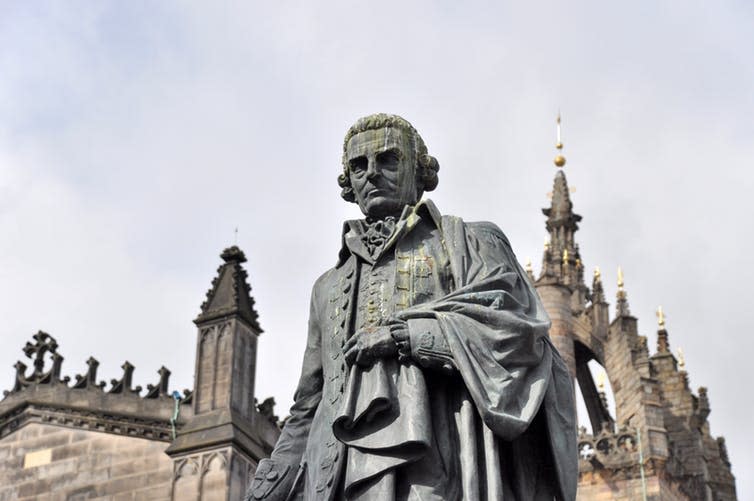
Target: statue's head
{"x": 385, "y": 165}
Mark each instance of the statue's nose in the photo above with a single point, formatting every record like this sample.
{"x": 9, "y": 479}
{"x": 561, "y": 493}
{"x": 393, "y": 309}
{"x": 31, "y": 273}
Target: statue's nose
{"x": 372, "y": 170}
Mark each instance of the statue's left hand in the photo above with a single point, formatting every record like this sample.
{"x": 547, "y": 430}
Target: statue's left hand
{"x": 369, "y": 344}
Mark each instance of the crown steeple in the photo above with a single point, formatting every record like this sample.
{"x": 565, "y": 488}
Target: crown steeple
{"x": 562, "y": 260}
{"x": 561, "y": 281}
{"x": 562, "y": 223}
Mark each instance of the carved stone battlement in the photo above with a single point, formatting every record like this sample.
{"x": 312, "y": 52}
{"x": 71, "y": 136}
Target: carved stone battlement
{"x": 90, "y": 438}
{"x": 608, "y": 449}
{"x": 44, "y": 344}
{"x": 42, "y": 395}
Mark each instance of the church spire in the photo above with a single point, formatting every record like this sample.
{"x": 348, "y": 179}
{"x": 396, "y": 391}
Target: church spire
{"x": 223, "y": 400}
{"x": 230, "y": 293}
{"x": 562, "y": 261}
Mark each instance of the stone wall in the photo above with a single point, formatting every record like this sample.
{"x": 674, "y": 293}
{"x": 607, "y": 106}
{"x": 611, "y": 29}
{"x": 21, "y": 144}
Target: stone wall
{"x": 556, "y": 300}
{"x": 604, "y": 486}
{"x": 44, "y": 462}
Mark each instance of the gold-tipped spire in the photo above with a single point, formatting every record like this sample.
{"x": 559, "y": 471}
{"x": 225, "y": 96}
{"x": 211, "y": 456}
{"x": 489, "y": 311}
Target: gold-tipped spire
{"x": 547, "y": 244}
{"x": 565, "y": 256}
{"x": 597, "y": 273}
{"x": 681, "y": 360}
{"x": 621, "y": 306}
{"x": 660, "y": 317}
{"x": 529, "y": 268}
{"x": 560, "y": 160}
{"x": 620, "y": 279}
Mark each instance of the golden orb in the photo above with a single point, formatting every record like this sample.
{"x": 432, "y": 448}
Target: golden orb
{"x": 560, "y": 161}
{"x": 559, "y": 145}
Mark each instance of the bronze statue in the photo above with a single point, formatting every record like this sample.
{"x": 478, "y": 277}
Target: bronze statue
{"x": 428, "y": 372}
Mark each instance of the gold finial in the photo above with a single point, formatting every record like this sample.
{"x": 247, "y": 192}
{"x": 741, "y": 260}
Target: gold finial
{"x": 547, "y": 244}
{"x": 681, "y": 360}
{"x": 565, "y": 256}
{"x": 560, "y": 160}
{"x": 578, "y": 263}
{"x": 620, "y": 278}
{"x": 529, "y": 268}
{"x": 601, "y": 381}
{"x": 660, "y": 317}
{"x": 597, "y": 273}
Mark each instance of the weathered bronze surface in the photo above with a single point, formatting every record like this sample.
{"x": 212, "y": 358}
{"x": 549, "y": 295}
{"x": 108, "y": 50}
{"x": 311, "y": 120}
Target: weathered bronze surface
{"x": 428, "y": 371}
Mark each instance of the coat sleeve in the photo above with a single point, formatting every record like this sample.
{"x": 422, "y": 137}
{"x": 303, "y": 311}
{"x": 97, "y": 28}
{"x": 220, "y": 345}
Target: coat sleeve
{"x": 496, "y": 331}
{"x": 275, "y": 476}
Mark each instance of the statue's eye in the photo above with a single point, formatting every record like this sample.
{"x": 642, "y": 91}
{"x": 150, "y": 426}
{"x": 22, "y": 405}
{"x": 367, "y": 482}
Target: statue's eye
{"x": 389, "y": 157}
{"x": 358, "y": 164}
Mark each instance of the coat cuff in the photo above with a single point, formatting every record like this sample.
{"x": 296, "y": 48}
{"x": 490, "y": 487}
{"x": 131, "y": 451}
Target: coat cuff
{"x": 428, "y": 345}
{"x": 272, "y": 481}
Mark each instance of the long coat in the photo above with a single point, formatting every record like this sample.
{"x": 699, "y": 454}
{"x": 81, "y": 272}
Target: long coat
{"x": 483, "y": 409}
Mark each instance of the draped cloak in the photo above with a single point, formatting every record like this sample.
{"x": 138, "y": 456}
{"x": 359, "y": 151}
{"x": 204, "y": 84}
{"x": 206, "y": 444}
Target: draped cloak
{"x": 497, "y": 423}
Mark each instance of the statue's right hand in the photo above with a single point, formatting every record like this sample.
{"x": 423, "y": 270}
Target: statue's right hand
{"x": 369, "y": 344}
{"x": 268, "y": 482}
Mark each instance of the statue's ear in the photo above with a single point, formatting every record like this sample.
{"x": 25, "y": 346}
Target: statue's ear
{"x": 429, "y": 167}
{"x": 346, "y": 191}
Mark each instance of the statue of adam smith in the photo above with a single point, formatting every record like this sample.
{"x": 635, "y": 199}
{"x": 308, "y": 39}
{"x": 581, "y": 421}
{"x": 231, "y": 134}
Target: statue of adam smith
{"x": 428, "y": 372}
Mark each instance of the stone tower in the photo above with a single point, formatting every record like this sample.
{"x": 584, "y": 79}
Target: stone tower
{"x": 658, "y": 443}
{"x": 75, "y": 439}
{"x": 218, "y": 448}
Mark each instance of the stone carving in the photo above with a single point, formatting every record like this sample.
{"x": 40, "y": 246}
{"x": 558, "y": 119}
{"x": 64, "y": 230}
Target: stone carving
{"x": 89, "y": 380}
{"x": 161, "y": 388}
{"x": 152, "y": 429}
{"x": 428, "y": 372}
{"x": 267, "y": 409}
{"x": 43, "y": 344}
{"x": 199, "y": 464}
{"x": 233, "y": 276}
{"x": 608, "y": 448}
{"x": 110, "y": 411}
{"x": 123, "y": 385}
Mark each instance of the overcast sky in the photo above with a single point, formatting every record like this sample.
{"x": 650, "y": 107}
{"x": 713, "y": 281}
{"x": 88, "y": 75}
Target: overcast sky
{"x": 135, "y": 136}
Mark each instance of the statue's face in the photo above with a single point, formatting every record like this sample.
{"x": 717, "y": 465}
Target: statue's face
{"x": 382, "y": 169}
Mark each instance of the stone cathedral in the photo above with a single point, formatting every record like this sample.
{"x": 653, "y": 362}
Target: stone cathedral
{"x": 72, "y": 439}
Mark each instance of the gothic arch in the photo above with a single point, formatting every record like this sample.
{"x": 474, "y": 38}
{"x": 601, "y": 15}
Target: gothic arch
{"x": 594, "y": 400}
